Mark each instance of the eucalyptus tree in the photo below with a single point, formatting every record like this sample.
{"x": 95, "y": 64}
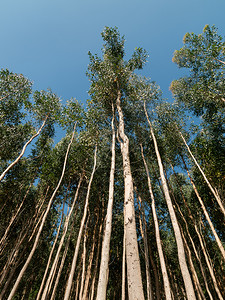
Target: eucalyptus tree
{"x": 109, "y": 76}
{"x": 203, "y": 90}
{"x": 15, "y": 91}
{"x": 45, "y": 108}
{"x": 202, "y": 93}
{"x": 145, "y": 92}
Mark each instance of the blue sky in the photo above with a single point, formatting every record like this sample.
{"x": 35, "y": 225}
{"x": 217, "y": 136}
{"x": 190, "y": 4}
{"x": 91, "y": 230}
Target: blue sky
{"x": 48, "y": 40}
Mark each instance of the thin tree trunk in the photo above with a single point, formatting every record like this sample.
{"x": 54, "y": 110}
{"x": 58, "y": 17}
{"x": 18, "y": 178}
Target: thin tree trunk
{"x": 84, "y": 263}
{"x": 157, "y": 233}
{"x": 70, "y": 279}
{"x": 50, "y": 255}
{"x": 124, "y": 268}
{"x": 219, "y": 243}
{"x": 14, "y": 216}
{"x": 189, "y": 235}
{"x": 209, "y": 265}
{"x": 65, "y": 228}
{"x": 180, "y": 246}
{"x": 146, "y": 254}
{"x": 198, "y": 288}
{"x": 135, "y": 287}
{"x": 92, "y": 290}
{"x": 62, "y": 260}
{"x": 23, "y": 150}
{"x": 205, "y": 178}
{"x": 104, "y": 269}
{"x": 88, "y": 274}
{"x": 42, "y": 224}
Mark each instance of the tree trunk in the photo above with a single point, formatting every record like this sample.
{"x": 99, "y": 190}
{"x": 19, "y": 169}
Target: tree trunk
{"x": 84, "y": 262}
{"x": 42, "y": 224}
{"x": 92, "y": 290}
{"x": 88, "y": 274}
{"x": 50, "y": 255}
{"x": 65, "y": 228}
{"x": 124, "y": 268}
{"x": 205, "y": 178}
{"x": 62, "y": 260}
{"x": 209, "y": 264}
{"x": 104, "y": 270}
{"x": 70, "y": 279}
{"x": 135, "y": 287}
{"x": 219, "y": 243}
{"x": 144, "y": 237}
{"x": 23, "y": 150}
{"x": 190, "y": 238}
{"x": 180, "y": 246}
{"x": 157, "y": 234}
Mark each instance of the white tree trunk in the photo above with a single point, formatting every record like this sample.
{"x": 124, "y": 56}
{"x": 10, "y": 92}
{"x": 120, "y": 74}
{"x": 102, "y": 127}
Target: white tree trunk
{"x": 23, "y": 150}
{"x": 135, "y": 287}
{"x": 204, "y": 176}
{"x": 180, "y": 245}
{"x": 70, "y": 279}
{"x": 103, "y": 273}
{"x": 42, "y": 224}
{"x": 157, "y": 234}
{"x": 219, "y": 243}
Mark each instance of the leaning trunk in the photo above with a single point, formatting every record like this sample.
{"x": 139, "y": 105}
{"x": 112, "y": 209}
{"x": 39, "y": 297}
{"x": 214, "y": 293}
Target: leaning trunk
{"x": 23, "y": 150}
{"x": 74, "y": 261}
{"x": 157, "y": 234}
{"x": 180, "y": 246}
{"x": 42, "y": 225}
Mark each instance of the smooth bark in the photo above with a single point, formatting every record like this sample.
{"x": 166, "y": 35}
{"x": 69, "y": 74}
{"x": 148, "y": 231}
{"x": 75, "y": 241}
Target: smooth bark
{"x": 135, "y": 287}
{"x": 180, "y": 245}
{"x": 70, "y": 279}
{"x": 218, "y": 241}
{"x": 157, "y": 233}
{"x": 42, "y": 224}
{"x": 23, "y": 150}
{"x": 104, "y": 269}
{"x": 219, "y": 201}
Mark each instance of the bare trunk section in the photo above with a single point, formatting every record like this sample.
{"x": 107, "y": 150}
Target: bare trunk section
{"x": 92, "y": 290}
{"x": 50, "y": 255}
{"x": 65, "y": 228}
{"x": 135, "y": 287}
{"x": 84, "y": 262}
{"x": 198, "y": 288}
{"x": 14, "y": 216}
{"x": 42, "y": 224}
{"x": 209, "y": 265}
{"x": 70, "y": 279}
{"x": 180, "y": 246}
{"x": 62, "y": 261}
{"x": 146, "y": 254}
{"x": 219, "y": 243}
{"x": 23, "y": 150}
{"x": 205, "y": 178}
{"x": 157, "y": 234}
{"x": 104, "y": 269}
{"x": 88, "y": 273}
{"x": 124, "y": 268}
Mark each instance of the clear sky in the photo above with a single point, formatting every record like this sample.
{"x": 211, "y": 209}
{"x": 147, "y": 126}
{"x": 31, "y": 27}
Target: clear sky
{"x": 48, "y": 40}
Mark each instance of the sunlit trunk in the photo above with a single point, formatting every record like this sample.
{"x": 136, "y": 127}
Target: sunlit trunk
{"x": 157, "y": 233}
{"x": 180, "y": 246}
{"x": 73, "y": 266}
{"x": 23, "y": 150}
{"x": 42, "y": 224}
{"x": 103, "y": 274}
{"x": 135, "y": 287}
